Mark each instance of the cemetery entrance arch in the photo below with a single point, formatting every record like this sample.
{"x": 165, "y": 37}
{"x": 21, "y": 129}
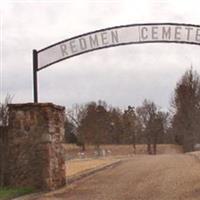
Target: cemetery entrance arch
{"x": 112, "y": 37}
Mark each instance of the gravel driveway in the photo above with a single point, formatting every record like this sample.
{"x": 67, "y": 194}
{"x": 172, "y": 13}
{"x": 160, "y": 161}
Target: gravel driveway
{"x": 161, "y": 177}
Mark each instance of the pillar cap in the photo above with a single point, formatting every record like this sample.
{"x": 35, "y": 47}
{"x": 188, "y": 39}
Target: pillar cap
{"x": 24, "y": 105}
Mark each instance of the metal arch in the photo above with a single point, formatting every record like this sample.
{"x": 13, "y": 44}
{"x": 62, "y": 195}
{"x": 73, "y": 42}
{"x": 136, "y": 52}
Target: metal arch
{"x": 121, "y": 26}
{"x": 35, "y": 52}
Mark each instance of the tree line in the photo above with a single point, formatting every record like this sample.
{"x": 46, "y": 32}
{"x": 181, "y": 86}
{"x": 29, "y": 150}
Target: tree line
{"x": 97, "y": 123}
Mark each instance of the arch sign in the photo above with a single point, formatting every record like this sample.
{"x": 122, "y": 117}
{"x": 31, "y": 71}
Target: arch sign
{"x": 111, "y": 37}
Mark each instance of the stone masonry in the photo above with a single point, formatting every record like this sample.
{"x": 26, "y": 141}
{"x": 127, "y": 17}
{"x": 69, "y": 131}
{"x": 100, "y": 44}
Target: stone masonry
{"x": 34, "y": 150}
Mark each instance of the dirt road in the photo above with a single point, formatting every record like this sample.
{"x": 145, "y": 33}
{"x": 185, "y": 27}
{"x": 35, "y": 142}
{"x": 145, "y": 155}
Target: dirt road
{"x": 161, "y": 177}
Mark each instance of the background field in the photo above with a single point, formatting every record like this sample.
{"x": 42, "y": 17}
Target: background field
{"x": 73, "y": 151}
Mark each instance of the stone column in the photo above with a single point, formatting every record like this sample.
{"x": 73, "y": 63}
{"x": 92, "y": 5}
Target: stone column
{"x": 35, "y": 157}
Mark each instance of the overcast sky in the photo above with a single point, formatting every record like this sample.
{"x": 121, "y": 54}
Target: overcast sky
{"x": 121, "y": 76}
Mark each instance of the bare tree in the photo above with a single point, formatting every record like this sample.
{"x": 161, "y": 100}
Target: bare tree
{"x": 116, "y": 126}
{"x": 130, "y": 122}
{"x": 153, "y": 123}
{"x": 4, "y": 114}
{"x": 95, "y": 125}
{"x": 70, "y": 132}
{"x": 75, "y": 115}
{"x": 159, "y": 129}
{"x": 4, "y": 110}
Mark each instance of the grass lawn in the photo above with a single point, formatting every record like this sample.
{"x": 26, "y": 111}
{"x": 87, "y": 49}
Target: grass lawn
{"x": 8, "y": 193}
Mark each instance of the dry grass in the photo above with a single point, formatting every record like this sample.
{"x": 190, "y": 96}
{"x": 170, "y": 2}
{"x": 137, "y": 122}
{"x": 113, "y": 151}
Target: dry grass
{"x": 121, "y": 150}
{"x": 75, "y": 167}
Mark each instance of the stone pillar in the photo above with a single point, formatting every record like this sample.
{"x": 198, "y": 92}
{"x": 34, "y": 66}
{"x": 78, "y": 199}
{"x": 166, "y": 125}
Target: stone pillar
{"x": 35, "y": 157}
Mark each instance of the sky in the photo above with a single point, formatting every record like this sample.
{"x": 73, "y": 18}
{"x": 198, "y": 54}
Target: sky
{"x": 121, "y": 76}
